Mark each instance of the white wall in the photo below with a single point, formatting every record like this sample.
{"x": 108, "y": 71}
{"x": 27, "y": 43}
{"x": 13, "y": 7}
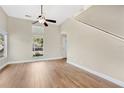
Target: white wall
{"x": 52, "y": 42}
{"x": 19, "y": 39}
{"x": 107, "y": 17}
{"x": 93, "y": 49}
{"x": 3, "y": 29}
{"x": 3, "y": 20}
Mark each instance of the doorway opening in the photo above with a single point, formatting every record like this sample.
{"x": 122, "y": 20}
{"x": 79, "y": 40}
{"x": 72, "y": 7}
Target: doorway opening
{"x": 64, "y": 45}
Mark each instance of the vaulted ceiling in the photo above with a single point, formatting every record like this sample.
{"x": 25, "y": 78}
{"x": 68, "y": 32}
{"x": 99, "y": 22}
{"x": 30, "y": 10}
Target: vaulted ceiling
{"x": 57, "y": 12}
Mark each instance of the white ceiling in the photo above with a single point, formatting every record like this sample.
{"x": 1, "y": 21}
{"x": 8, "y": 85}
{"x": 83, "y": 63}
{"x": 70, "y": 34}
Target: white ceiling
{"x": 57, "y": 12}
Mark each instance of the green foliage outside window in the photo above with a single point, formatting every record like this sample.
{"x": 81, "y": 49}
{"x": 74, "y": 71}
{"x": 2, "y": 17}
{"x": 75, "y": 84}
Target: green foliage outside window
{"x": 37, "y": 46}
{"x": 1, "y": 39}
{"x": 38, "y": 41}
{"x": 1, "y": 45}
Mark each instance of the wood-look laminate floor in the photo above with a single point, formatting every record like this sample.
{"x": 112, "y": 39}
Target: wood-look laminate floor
{"x": 51, "y": 74}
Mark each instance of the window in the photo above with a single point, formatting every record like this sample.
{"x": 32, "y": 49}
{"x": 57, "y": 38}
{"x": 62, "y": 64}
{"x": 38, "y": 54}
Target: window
{"x": 1, "y": 45}
{"x": 37, "y": 40}
{"x": 37, "y": 45}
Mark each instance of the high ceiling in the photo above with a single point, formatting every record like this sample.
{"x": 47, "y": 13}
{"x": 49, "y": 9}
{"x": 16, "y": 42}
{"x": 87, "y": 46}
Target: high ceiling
{"x": 57, "y": 12}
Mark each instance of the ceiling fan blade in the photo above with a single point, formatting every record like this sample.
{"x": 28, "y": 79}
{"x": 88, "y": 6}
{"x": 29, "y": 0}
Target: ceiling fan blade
{"x": 35, "y": 22}
{"x": 45, "y": 24}
{"x": 49, "y": 20}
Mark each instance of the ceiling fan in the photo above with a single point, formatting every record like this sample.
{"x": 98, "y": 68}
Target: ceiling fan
{"x": 41, "y": 19}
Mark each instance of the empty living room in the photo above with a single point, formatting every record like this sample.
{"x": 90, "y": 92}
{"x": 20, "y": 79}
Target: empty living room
{"x": 61, "y": 46}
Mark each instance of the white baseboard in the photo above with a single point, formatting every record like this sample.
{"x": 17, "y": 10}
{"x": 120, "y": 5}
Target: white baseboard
{"x": 34, "y": 60}
{"x": 4, "y": 65}
{"x": 4, "y": 62}
{"x": 28, "y": 61}
{"x": 118, "y": 82}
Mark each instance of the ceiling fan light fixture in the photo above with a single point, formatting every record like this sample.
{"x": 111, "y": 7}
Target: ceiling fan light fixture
{"x": 41, "y": 21}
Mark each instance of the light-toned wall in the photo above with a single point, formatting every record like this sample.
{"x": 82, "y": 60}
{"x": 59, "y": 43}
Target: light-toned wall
{"x": 19, "y": 39}
{"x": 106, "y": 17}
{"x": 3, "y": 29}
{"x": 3, "y": 20}
{"x": 94, "y": 49}
{"x": 52, "y": 42}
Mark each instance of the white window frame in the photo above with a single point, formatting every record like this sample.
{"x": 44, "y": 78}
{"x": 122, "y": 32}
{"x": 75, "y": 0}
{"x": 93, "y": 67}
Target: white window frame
{"x": 4, "y": 33}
